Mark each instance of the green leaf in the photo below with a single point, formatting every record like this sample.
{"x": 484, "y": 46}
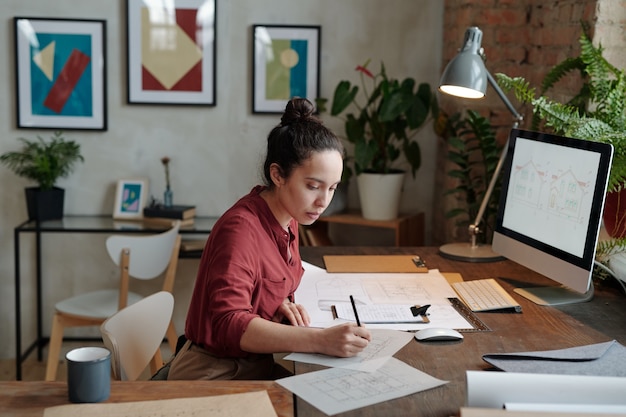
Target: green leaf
{"x": 343, "y": 97}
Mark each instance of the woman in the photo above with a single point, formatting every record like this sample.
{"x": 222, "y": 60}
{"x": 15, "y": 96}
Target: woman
{"x": 242, "y": 309}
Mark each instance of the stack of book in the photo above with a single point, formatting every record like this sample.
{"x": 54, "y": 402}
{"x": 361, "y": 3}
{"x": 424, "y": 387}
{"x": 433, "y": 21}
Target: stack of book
{"x": 159, "y": 215}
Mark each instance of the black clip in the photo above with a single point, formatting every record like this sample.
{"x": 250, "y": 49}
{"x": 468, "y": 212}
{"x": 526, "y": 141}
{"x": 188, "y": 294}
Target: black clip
{"x": 419, "y": 311}
{"x": 419, "y": 262}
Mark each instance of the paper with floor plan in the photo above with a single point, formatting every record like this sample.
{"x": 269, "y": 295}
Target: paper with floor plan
{"x": 336, "y": 390}
{"x": 319, "y": 290}
{"x": 384, "y": 344}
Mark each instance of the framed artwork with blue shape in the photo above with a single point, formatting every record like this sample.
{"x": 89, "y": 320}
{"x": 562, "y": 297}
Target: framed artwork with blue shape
{"x": 286, "y": 64}
{"x": 60, "y": 69}
{"x": 130, "y": 198}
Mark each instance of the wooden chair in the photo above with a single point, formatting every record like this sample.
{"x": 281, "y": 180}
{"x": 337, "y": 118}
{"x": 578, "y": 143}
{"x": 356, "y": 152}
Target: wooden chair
{"x": 135, "y": 333}
{"x": 141, "y": 257}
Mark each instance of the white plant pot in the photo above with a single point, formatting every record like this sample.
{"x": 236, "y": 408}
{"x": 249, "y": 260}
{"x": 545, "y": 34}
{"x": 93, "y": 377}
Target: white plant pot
{"x": 380, "y": 195}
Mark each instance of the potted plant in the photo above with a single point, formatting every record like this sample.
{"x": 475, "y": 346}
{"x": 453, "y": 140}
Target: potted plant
{"x": 44, "y": 163}
{"x": 381, "y": 125}
{"x": 596, "y": 113}
{"x": 475, "y": 152}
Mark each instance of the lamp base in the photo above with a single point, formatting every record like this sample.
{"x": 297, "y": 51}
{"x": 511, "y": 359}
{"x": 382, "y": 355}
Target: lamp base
{"x": 465, "y": 252}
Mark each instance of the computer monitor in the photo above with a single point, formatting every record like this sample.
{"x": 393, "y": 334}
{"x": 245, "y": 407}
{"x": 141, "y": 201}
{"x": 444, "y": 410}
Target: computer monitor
{"x": 550, "y": 211}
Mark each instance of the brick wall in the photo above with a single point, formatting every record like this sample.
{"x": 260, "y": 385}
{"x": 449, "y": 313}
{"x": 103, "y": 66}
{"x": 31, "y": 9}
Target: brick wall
{"x": 520, "y": 38}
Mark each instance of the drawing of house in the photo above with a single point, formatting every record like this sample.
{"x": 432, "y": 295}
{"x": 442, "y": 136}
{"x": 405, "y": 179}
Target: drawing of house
{"x": 527, "y": 181}
{"x": 566, "y": 194}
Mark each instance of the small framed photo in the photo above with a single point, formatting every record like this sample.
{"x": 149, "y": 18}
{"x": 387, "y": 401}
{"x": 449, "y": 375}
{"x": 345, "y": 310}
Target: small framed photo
{"x": 171, "y": 52}
{"x": 60, "y": 70}
{"x": 286, "y": 64}
{"x": 130, "y": 199}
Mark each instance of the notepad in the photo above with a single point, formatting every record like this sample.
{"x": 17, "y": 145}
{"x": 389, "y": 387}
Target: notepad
{"x": 378, "y": 313}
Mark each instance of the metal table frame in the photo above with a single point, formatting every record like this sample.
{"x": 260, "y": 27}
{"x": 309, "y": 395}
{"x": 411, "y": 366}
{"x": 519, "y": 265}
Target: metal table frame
{"x": 68, "y": 225}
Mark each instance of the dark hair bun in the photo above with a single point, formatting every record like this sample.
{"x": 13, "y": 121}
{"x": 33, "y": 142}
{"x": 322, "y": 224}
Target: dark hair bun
{"x": 298, "y": 109}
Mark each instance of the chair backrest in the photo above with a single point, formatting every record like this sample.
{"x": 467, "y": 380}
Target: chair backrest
{"x": 145, "y": 257}
{"x": 135, "y": 333}
{"x": 149, "y": 254}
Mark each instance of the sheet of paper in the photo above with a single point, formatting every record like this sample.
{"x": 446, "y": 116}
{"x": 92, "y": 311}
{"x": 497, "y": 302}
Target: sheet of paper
{"x": 384, "y": 344}
{"x": 246, "y": 404}
{"x": 378, "y": 313}
{"x": 336, "y": 390}
{"x": 319, "y": 290}
{"x": 495, "y": 389}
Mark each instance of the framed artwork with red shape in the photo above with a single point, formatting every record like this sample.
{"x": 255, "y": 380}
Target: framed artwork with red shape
{"x": 60, "y": 70}
{"x": 171, "y": 52}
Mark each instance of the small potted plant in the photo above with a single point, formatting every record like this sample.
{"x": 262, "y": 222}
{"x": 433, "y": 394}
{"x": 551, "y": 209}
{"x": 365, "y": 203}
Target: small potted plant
{"x": 44, "y": 163}
{"x": 382, "y": 125}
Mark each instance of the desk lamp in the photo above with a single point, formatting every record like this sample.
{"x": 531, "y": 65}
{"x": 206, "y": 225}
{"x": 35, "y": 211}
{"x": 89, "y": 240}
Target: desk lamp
{"x": 466, "y": 76}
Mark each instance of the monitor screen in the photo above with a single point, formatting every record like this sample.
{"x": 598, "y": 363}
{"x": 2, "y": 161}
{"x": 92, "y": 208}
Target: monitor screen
{"x": 550, "y": 211}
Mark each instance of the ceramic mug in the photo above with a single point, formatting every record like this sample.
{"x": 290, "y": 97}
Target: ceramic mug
{"x": 88, "y": 374}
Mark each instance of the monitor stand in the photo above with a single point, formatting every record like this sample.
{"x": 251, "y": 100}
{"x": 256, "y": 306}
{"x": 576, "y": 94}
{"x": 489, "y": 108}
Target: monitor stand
{"x": 554, "y": 296}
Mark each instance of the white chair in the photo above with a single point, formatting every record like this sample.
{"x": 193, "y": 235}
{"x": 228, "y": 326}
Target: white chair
{"x": 142, "y": 257}
{"x": 135, "y": 333}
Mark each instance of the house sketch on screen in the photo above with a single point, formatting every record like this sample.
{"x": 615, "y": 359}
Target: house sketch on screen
{"x": 560, "y": 193}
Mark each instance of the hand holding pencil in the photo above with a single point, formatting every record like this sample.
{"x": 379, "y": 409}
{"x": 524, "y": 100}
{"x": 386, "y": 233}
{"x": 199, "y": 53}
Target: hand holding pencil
{"x": 346, "y": 340}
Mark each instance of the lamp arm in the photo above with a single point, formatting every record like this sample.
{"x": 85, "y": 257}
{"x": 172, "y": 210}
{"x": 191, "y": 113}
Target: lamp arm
{"x": 518, "y": 117}
{"x": 474, "y": 230}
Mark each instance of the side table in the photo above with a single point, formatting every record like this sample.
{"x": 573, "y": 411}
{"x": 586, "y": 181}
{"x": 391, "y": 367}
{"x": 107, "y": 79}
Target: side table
{"x": 408, "y": 228}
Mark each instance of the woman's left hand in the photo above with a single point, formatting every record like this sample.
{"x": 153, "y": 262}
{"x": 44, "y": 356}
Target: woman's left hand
{"x": 294, "y": 313}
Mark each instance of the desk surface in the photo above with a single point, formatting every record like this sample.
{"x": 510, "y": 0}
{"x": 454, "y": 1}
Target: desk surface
{"x": 537, "y": 328}
{"x": 22, "y": 399}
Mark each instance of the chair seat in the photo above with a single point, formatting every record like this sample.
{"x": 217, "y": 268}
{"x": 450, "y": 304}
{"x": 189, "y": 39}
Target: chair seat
{"x": 97, "y": 304}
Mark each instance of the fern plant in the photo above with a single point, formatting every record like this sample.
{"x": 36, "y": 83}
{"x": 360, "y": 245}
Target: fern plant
{"x": 475, "y": 152}
{"x": 44, "y": 162}
{"x": 597, "y": 112}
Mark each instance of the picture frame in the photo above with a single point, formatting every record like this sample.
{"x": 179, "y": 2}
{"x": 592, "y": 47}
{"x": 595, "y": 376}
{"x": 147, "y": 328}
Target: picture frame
{"x": 295, "y": 74}
{"x": 131, "y": 196}
{"x": 182, "y": 70}
{"x": 60, "y": 73}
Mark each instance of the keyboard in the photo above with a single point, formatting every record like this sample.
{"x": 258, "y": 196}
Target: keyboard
{"x": 485, "y": 295}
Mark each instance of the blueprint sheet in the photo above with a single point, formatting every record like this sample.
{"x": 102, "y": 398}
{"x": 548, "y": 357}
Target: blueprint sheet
{"x": 336, "y": 390}
{"x": 319, "y": 290}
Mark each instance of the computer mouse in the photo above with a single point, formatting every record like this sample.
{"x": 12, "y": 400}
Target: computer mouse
{"x": 437, "y": 334}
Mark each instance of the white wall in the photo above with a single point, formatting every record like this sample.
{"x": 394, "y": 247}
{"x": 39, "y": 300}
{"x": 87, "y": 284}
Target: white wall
{"x": 216, "y": 152}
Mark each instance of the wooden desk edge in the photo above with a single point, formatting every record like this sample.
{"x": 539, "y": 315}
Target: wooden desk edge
{"x": 21, "y": 398}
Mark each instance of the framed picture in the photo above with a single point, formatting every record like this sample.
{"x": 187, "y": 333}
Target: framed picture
{"x": 130, "y": 199}
{"x": 60, "y": 70}
{"x": 286, "y": 65}
{"x": 171, "y": 52}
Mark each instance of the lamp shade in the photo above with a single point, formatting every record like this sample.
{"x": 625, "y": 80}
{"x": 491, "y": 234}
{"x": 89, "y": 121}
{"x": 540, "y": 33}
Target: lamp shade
{"x": 466, "y": 75}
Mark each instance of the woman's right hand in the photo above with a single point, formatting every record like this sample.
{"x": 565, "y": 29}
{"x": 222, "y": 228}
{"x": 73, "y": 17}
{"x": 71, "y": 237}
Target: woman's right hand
{"x": 344, "y": 340}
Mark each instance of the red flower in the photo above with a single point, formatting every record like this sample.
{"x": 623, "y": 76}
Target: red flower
{"x": 364, "y": 71}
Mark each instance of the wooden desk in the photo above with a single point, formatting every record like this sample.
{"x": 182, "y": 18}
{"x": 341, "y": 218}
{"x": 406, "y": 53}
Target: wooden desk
{"x": 73, "y": 225}
{"x": 408, "y": 228}
{"x": 537, "y": 328}
{"x": 26, "y": 399}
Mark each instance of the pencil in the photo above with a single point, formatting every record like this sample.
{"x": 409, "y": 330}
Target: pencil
{"x": 356, "y": 315}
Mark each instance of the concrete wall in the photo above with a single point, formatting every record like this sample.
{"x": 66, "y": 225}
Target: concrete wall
{"x": 215, "y": 152}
